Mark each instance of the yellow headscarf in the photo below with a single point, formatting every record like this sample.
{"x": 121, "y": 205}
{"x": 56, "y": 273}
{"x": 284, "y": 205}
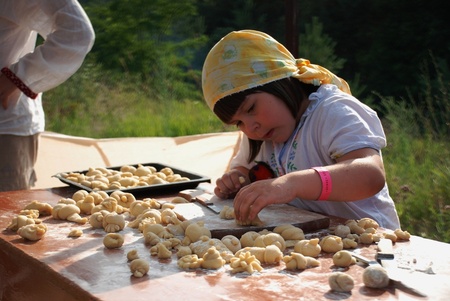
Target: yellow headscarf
{"x": 247, "y": 59}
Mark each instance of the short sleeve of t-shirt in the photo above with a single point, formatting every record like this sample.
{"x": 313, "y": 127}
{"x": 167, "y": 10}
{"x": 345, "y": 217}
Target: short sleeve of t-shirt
{"x": 340, "y": 124}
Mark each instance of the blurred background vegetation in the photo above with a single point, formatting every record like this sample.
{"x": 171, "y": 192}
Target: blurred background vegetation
{"x": 143, "y": 78}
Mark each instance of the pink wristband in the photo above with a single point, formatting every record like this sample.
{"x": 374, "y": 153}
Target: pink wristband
{"x": 325, "y": 177}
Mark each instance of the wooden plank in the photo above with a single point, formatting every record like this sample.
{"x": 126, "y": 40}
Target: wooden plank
{"x": 271, "y": 216}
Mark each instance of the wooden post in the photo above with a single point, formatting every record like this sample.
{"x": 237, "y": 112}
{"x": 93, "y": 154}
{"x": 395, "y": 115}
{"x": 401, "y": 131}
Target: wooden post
{"x": 291, "y": 26}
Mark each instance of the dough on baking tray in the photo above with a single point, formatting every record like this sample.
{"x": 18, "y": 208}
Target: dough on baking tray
{"x": 127, "y": 177}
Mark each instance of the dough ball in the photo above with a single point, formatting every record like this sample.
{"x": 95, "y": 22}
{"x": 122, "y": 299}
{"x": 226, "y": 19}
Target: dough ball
{"x": 342, "y": 231}
{"x": 375, "y": 276}
{"x": 270, "y": 239}
{"x": 349, "y": 243}
{"x": 366, "y": 238}
{"x": 308, "y": 247}
{"x": 139, "y": 267}
{"x": 367, "y": 222}
{"x": 341, "y": 282}
{"x": 232, "y": 243}
{"x": 113, "y": 240}
{"x": 331, "y": 244}
{"x": 32, "y": 231}
{"x": 403, "y": 235}
{"x": 75, "y": 233}
{"x": 132, "y": 255}
{"x": 343, "y": 259}
{"x": 196, "y": 230}
{"x": 248, "y": 239}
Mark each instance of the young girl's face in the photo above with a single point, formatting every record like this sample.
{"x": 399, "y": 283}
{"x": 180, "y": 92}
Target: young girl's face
{"x": 263, "y": 116}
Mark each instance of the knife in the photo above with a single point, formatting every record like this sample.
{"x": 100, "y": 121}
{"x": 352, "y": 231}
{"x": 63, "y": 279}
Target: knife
{"x": 386, "y": 258}
{"x": 206, "y": 200}
{"x": 201, "y": 197}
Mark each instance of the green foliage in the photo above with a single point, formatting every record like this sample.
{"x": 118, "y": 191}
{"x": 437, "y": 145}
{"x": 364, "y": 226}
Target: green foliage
{"x": 318, "y": 47}
{"x": 138, "y": 36}
{"x": 384, "y": 40}
{"x": 417, "y": 160}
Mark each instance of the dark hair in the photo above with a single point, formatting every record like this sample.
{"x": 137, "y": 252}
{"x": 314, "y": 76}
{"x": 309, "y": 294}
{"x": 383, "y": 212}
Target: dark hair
{"x": 290, "y": 90}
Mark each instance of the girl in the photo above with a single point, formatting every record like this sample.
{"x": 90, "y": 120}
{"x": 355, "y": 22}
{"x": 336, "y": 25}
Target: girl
{"x": 322, "y": 145}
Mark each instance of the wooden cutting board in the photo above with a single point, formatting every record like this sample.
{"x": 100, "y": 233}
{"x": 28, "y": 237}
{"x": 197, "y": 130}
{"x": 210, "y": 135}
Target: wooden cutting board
{"x": 271, "y": 216}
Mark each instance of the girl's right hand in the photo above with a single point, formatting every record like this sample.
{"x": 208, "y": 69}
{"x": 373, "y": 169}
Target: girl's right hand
{"x": 230, "y": 183}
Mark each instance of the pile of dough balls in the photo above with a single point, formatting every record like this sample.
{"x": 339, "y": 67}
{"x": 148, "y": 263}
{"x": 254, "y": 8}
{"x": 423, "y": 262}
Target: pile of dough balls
{"x": 27, "y": 223}
{"x": 128, "y": 176}
{"x": 349, "y": 236}
{"x": 166, "y": 234}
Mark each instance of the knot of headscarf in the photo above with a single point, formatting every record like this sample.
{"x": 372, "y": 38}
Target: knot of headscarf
{"x": 247, "y": 59}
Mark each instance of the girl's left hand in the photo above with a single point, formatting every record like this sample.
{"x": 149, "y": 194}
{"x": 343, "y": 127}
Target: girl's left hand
{"x": 251, "y": 199}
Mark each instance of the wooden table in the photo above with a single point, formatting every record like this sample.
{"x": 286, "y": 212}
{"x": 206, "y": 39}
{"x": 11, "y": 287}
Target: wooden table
{"x": 61, "y": 268}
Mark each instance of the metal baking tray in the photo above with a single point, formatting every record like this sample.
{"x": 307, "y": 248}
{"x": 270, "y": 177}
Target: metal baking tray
{"x": 195, "y": 179}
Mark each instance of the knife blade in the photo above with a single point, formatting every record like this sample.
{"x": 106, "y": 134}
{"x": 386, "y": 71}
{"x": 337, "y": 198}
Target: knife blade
{"x": 205, "y": 199}
{"x": 190, "y": 194}
{"x": 386, "y": 258}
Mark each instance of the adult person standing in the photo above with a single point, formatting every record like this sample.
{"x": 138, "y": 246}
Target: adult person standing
{"x": 27, "y": 71}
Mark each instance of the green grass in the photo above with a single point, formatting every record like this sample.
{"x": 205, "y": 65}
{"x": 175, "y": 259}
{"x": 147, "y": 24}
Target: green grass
{"x": 106, "y": 107}
{"x": 417, "y": 159}
{"x": 418, "y": 173}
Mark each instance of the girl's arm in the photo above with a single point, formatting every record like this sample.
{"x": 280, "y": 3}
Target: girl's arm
{"x": 356, "y": 175}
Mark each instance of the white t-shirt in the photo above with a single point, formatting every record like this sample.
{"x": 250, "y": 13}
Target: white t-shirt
{"x": 68, "y": 35}
{"x": 334, "y": 124}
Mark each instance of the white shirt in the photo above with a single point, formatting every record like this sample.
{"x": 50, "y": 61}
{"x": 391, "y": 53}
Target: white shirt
{"x": 334, "y": 124}
{"x": 68, "y": 36}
